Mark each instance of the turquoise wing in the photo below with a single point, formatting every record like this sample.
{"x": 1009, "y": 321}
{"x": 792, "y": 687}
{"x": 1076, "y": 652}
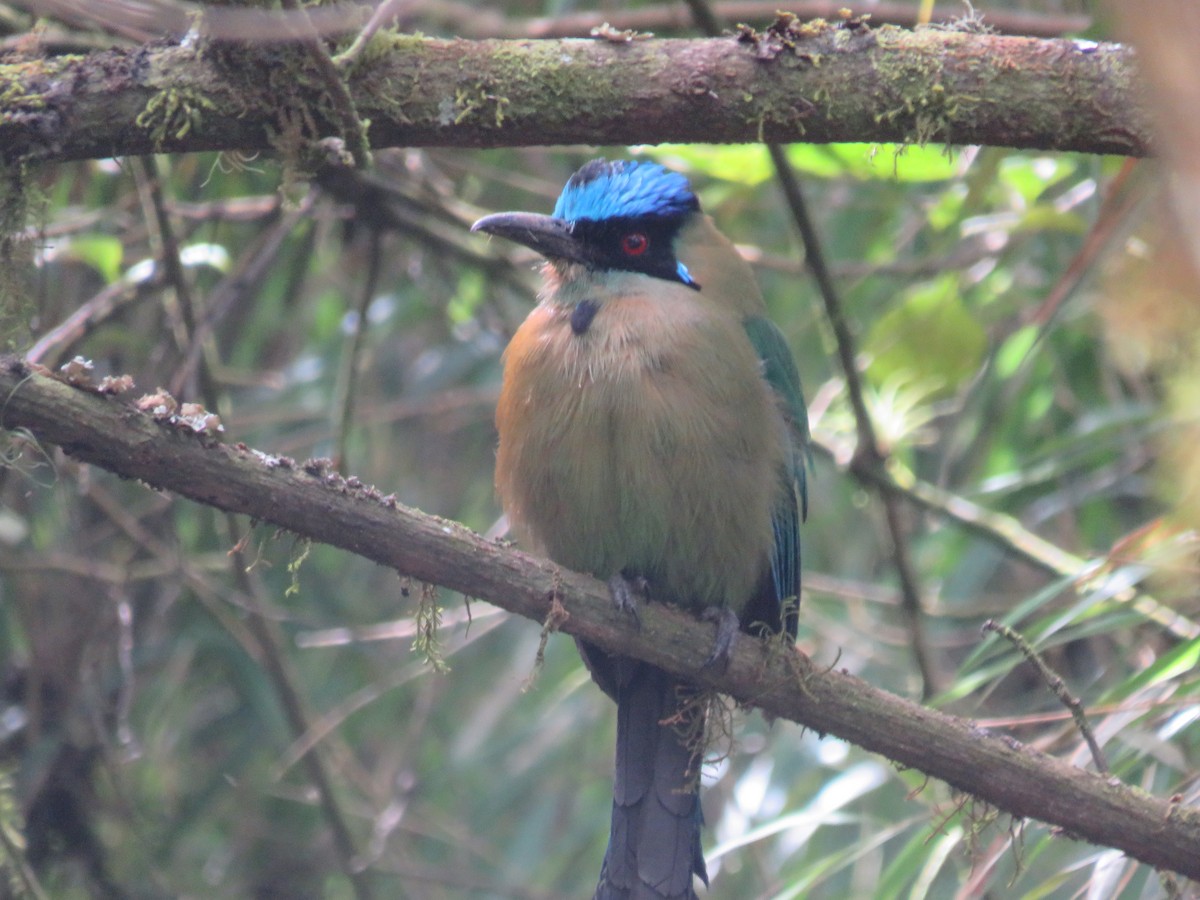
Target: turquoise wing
{"x": 780, "y": 372}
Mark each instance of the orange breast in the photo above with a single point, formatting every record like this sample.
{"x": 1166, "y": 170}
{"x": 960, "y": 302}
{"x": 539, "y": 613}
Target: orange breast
{"x": 647, "y": 444}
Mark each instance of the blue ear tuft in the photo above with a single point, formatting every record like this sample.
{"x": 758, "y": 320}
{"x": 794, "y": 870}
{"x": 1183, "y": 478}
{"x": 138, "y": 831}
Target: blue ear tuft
{"x": 624, "y": 189}
{"x": 685, "y": 276}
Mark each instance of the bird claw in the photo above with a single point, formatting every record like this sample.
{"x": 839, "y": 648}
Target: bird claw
{"x": 627, "y": 593}
{"x": 727, "y": 632}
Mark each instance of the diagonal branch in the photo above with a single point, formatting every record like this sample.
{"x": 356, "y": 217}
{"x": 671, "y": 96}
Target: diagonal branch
{"x": 312, "y": 500}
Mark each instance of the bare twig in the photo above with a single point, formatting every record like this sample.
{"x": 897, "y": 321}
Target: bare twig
{"x": 164, "y": 244}
{"x": 52, "y": 346}
{"x": 166, "y": 251}
{"x": 1013, "y": 538}
{"x": 1056, "y": 685}
{"x": 247, "y": 272}
{"x": 1124, "y": 195}
{"x": 347, "y": 378}
{"x": 292, "y": 701}
{"x": 353, "y": 129}
{"x": 384, "y": 13}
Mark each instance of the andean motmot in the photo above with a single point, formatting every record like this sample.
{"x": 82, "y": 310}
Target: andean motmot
{"x": 652, "y": 433}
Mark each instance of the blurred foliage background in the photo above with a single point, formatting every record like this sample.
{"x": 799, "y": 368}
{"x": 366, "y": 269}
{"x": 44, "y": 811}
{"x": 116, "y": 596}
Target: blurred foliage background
{"x": 1026, "y": 326}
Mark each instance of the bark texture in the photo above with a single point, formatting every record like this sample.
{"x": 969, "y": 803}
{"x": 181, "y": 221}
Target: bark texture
{"x": 815, "y": 82}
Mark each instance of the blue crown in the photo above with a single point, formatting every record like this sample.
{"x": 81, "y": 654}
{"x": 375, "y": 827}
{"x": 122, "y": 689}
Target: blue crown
{"x": 624, "y": 188}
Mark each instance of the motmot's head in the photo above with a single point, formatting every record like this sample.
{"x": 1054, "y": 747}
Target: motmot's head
{"x": 612, "y": 215}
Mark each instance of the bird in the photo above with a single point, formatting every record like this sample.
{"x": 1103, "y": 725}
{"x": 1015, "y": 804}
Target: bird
{"x": 652, "y": 432}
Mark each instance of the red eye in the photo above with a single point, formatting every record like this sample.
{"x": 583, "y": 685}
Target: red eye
{"x": 635, "y": 243}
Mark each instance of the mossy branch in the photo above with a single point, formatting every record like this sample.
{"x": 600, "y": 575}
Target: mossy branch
{"x": 815, "y": 82}
{"x": 315, "y": 502}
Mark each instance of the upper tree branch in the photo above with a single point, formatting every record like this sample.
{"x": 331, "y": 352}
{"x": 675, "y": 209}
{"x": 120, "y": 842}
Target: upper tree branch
{"x": 311, "y": 500}
{"x": 679, "y": 17}
{"x": 820, "y": 83}
{"x": 148, "y": 19}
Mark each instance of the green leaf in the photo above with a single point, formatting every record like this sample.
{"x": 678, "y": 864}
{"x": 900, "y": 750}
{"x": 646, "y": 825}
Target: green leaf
{"x": 1175, "y": 663}
{"x": 749, "y": 164}
{"x": 896, "y": 162}
{"x": 930, "y": 339}
{"x": 467, "y": 299}
{"x": 1044, "y": 217}
{"x": 1014, "y": 350}
{"x": 1031, "y": 176}
{"x": 100, "y": 251}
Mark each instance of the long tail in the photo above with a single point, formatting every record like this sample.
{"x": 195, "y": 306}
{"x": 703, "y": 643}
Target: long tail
{"x": 654, "y": 844}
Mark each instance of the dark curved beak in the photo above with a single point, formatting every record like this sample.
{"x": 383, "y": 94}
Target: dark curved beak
{"x": 547, "y": 235}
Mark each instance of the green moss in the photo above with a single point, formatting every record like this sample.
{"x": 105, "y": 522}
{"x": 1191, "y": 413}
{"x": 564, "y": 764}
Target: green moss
{"x": 15, "y": 82}
{"x": 397, "y": 91}
{"x": 387, "y": 41}
{"x": 560, "y": 83}
{"x": 17, "y": 198}
{"x": 295, "y": 150}
{"x": 293, "y": 567}
{"x": 173, "y": 113}
{"x": 916, "y": 74}
{"x": 468, "y": 102}
{"x": 428, "y": 620}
